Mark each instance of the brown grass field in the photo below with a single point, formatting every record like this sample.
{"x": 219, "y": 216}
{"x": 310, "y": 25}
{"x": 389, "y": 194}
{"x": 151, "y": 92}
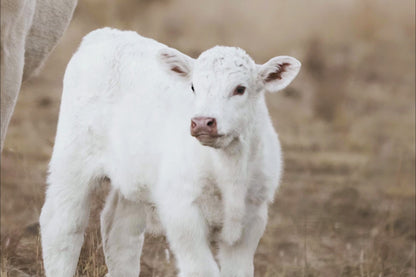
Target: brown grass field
{"x": 346, "y": 204}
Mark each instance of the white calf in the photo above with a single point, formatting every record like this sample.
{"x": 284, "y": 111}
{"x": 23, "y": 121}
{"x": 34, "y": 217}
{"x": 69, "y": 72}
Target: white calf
{"x": 187, "y": 142}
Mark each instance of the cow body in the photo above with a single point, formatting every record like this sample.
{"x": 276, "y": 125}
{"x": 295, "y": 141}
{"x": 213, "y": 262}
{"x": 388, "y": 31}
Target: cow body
{"x": 127, "y": 109}
{"x": 30, "y": 29}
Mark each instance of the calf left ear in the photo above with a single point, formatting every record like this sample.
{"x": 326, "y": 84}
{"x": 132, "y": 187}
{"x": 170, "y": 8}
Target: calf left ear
{"x": 278, "y": 72}
{"x": 176, "y": 62}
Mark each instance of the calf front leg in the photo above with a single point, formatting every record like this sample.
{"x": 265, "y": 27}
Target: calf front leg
{"x": 122, "y": 232}
{"x": 232, "y": 181}
{"x": 237, "y": 260}
{"x": 234, "y": 197}
{"x": 186, "y": 232}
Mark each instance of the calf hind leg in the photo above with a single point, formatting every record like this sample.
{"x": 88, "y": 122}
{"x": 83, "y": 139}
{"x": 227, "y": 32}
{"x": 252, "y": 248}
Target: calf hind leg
{"x": 63, "y": 220}
{"x": 122, "y": 233}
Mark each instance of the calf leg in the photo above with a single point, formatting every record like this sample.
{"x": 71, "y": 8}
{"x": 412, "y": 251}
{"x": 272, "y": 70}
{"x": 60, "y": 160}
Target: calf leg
{"x": 63, "y": 220}
{"x": 234, "y": 208}
{"x": 186, "y": 231}
{"x": 122, "y": 232}
{"x": 236, "y": 260}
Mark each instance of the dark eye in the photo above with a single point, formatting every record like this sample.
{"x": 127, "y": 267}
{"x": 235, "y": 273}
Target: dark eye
{"x": 192, "y": 87}
{"x": 239, "y": 90}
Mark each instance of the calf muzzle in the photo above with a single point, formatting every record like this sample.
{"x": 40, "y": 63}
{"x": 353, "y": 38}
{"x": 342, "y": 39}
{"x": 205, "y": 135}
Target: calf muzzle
{"x": 204, "y": 129}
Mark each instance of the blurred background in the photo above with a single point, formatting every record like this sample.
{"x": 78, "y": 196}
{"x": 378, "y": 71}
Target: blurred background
{"x": 346, "y": 205}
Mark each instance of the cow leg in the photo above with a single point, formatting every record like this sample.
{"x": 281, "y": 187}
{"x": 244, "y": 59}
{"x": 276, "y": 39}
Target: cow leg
{"x": 122, "y": 232}
{"x": 236, "y": 260}
{"x": 16, "y": 19}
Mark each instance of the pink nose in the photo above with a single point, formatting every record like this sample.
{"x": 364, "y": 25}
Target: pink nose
{"x": 203, "y": 126}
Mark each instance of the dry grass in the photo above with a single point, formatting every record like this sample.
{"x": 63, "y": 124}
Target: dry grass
{"x": 346, "y": 206}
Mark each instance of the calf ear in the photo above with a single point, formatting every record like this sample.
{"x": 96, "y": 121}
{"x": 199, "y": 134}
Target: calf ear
{"x": 176, "y": 63}
{"x": 278, "y": 72}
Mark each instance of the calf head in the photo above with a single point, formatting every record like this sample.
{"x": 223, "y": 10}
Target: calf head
{"x": 228, "y": 87}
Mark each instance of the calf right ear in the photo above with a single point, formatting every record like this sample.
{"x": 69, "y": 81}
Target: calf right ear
{"x": 176, "y": 63}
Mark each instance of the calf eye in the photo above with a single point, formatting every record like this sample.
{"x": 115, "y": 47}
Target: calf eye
{"x": 192, "y": 87}
{"x": 239, "y": 90}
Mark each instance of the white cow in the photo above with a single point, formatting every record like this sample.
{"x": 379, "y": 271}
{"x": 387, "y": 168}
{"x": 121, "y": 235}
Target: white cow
{"x": 185, "y": 142}
{"x": 30, "y": 30}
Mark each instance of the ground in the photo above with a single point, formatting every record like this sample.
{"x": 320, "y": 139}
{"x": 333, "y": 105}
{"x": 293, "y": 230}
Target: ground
{"x": 346, "y": 204}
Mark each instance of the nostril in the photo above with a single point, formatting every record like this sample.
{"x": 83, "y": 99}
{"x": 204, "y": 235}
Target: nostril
{"x": 203, "y": 123}
{"x": 211, "y": 123}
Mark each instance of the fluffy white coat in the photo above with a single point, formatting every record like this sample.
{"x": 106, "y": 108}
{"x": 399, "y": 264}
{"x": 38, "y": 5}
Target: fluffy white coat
{"x": 125, "y": 115}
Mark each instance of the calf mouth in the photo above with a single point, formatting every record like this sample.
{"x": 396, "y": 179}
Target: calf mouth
{"x": 208, "y": 139}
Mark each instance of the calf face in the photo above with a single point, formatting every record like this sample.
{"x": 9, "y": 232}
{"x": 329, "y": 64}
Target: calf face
{"x": 227, "y": 87}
